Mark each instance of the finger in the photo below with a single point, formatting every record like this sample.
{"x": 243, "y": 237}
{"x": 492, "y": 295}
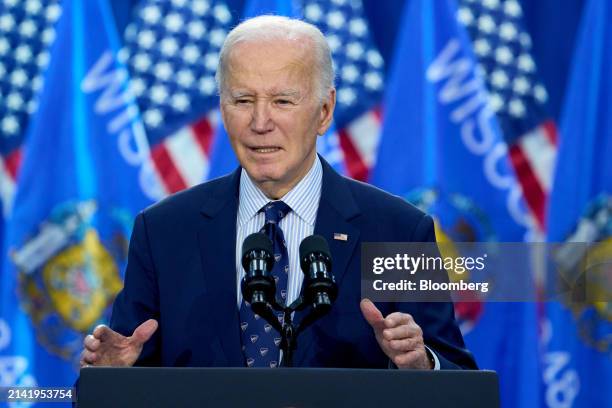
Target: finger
{"x": 91, "y": 343}
{"x": 83, "y": 363}
{"x": 411, "y": 359}
{"x": 372, "y": 314}
{"x": 88, "y": 357}
{"x": 103, "y": 332}
{"x": 397, "y": 318}
{"x": 404, "y": 331}
{"x": 405, "y": 345}
{"x": 144, "y": 332}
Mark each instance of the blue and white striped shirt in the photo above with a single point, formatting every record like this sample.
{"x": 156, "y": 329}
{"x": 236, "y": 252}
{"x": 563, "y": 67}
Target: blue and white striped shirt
{"x": 297, "y": 225}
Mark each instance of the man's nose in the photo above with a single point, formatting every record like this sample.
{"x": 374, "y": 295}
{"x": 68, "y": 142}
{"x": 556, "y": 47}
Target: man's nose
{"x": 262, "y": 120}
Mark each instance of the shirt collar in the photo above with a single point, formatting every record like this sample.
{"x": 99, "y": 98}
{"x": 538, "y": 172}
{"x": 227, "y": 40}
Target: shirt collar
{"x": 303, "y": 198}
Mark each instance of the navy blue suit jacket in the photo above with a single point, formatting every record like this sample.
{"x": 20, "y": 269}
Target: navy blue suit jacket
{"x": 181, "y": 271}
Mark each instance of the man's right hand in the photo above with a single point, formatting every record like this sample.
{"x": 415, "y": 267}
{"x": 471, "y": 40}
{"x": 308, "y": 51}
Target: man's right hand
{"x": 106, "y": 347}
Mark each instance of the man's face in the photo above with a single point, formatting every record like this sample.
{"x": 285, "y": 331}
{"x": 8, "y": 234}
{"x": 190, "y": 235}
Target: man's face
{"x": 272, "y": 112}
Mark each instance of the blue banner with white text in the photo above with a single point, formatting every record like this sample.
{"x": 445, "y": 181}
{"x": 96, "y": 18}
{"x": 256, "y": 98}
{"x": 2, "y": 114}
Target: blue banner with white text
{"x": 84, "y": 176}
{"x": 577, "y": 337}
{"x": 442, "y": 149}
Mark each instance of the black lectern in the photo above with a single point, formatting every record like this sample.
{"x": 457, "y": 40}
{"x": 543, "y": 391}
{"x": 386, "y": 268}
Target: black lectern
{"x": 285, "y": 387}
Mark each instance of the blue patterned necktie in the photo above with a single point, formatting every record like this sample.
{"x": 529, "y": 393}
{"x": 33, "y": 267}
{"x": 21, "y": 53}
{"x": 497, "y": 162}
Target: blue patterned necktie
{"x": 260, "y": 341}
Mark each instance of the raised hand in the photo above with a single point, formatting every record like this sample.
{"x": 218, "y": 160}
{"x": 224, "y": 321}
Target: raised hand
{"x": 106, "y": 347}
{"x": 399, "y": 337}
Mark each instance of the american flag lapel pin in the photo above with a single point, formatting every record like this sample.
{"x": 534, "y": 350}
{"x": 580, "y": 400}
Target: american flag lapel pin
{"x": 340, "y": 237}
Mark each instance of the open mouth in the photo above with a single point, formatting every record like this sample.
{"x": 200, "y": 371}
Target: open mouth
{"x": 265, "y": 149}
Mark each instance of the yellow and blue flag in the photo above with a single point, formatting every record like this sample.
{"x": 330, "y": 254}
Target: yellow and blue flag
{"x": 86, "y": 172}
{"x": 442, "y": 148}
{"x": 577, "y": 337}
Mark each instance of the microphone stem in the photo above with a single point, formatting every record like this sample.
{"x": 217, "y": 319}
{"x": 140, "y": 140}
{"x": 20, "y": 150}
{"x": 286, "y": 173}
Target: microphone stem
{"x": 288, "y": 343}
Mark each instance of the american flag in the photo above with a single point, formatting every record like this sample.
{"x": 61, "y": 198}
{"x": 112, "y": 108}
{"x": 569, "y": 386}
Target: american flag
{"x": 171, "y": 48}
{"x": 503, "y": 48}
{"x": 27, "y": 29}
{"x": 359, "y": 79}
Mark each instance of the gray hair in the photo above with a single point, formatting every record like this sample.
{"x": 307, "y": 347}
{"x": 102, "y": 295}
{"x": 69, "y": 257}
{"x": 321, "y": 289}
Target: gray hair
{"x": 281, "y": 28}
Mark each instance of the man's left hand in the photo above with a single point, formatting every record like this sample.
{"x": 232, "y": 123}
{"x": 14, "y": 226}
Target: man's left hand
{"x": 399, "y": 337}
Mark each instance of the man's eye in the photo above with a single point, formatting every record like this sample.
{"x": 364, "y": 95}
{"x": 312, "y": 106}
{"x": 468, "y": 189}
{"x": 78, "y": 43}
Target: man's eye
{"x": 284, "y": 102}
{"x": 243, "y": 101}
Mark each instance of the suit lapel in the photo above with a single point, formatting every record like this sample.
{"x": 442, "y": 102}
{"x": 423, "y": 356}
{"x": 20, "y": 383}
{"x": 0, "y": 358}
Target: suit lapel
{"x": 218, "y": 251}
{"x": 336, "y": 208}
{"x": 330, "y": 222}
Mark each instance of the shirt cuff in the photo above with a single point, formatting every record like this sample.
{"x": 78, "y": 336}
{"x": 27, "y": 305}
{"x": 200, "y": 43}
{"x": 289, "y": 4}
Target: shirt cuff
{"x": 433, "y": 355}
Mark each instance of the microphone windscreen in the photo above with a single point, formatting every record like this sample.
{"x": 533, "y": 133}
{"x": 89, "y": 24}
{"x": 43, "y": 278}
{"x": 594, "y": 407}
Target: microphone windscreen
{"x": 314, "y": 243}
{"x": 257, "y": 241}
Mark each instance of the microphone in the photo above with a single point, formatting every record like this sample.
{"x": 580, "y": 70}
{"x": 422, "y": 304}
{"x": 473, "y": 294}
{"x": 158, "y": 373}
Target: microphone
{"x": 257, "y": 285}
{"x": 320, "y": 287}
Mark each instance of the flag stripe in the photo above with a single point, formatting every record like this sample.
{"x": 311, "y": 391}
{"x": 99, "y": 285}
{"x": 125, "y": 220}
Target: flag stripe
{"x": 534, "y": 195}
{"x": 364, "y": 133}
{"x": 189, "y": 161}
{"x": 550, "y": 129}
{"x": 172, "y": 179}
{"x": 7, "y": 187}
{"x": 12, "y": 163}
{"x": 355, "y": 166}
{"x": 541, "y": 154}
{"x": 204, "y": 130}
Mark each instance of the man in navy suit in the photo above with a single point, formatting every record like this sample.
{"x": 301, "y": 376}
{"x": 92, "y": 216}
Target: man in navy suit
{"x": 181, "y": 304}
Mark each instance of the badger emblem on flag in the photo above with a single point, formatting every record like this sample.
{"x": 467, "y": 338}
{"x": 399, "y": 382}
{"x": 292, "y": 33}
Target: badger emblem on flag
{"x": 468, "y": 223}
{"x": 68, "y": 277}
{"x": 595, "y": 229}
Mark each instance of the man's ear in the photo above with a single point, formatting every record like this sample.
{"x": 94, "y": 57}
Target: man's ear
{"x": 327, "y": 112}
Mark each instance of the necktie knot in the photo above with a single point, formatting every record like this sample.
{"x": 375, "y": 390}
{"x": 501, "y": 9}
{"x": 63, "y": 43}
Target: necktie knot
{"x": 275, "y": 211}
